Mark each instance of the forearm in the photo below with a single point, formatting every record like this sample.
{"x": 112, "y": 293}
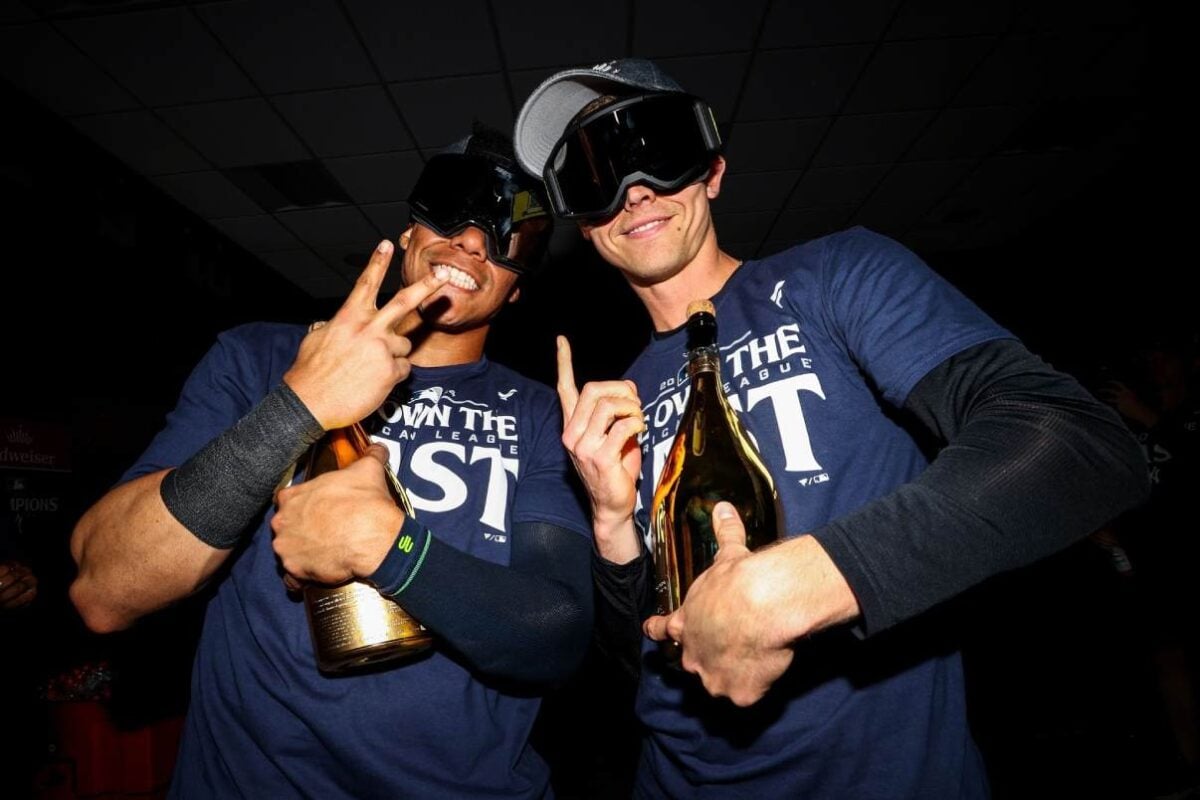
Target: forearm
{"x": 624, "y": 598}
{"x": 528, "y": 622}
{"x": 134, "y": 557}
{"x": 1033, "y": 464}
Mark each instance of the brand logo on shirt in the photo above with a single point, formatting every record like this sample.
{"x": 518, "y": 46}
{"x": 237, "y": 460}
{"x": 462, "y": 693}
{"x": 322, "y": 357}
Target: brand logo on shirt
{"x": 506, "y": 395}
{"x": 777, "y": 295}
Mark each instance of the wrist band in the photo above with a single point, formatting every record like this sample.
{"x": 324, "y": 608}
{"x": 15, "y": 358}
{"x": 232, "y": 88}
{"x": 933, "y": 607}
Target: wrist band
{"x": 221, "y": 489}
{"x": 404, "y": 557}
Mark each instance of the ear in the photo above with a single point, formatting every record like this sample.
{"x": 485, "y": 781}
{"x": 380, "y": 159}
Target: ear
{"x": 712, "y": 184}
{"x": 405, "y": 236}
{"x": 514, "y": 294}
{"x": 585, "y": 230}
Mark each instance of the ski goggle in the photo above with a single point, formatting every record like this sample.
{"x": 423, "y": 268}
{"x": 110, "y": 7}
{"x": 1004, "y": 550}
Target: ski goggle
{"x": 458, "y": 191}
{"x": 665, "y": 141}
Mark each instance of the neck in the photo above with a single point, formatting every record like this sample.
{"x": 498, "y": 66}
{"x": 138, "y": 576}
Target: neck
{"x": 437, "y": 348}
{"x": 703, "y": 276}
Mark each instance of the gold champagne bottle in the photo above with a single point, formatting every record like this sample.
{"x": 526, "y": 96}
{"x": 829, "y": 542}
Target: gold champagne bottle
{"x": 352, "y": 624}
{"x": 711, "y": 459}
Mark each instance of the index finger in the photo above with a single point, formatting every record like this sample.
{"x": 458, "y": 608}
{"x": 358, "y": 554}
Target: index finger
{"x": 407, "y": 299}
{"x": 366, "y": 288}
{"x": 568, "y": 390}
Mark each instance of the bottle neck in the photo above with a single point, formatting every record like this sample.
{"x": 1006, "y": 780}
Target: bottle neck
{"x": 702, "y": 360}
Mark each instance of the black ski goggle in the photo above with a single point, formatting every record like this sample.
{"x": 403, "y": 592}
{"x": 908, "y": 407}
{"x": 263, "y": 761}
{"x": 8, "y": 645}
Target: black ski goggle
{"x": 458, "y": 191}
{"x": 665, "y": 141}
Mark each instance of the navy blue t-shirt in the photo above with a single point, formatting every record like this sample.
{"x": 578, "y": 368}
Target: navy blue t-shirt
{"x": 816, "y": 343}
{"x": 477, "y": 447}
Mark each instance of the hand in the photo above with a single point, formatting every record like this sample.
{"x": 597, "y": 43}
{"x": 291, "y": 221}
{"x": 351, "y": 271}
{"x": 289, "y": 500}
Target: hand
{"x": 338, "y": 525}
{"x": 346, "y": 368}
{"x": 600, "y": 429}
{"x": 18, "y": 585}
{"x": 741, "y": 617}
{"x": 1127, "y": 403}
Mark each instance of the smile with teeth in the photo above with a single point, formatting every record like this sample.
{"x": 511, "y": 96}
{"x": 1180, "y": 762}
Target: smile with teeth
{"x": 646, "y": 226}
{"x": 459, "y": 278}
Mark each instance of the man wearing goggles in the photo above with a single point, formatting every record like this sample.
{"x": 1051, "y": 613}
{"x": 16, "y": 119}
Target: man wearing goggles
{"x": 816, "y": 342}
{"x": 494, "y": 563}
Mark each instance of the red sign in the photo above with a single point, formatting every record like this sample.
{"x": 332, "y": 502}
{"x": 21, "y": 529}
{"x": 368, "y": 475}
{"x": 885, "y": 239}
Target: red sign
{"x": 37, "y": 446}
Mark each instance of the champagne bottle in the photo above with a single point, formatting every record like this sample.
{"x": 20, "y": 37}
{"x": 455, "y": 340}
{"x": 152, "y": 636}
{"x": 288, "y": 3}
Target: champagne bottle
{"x": 711, "y": 459}
{"x": 352, "y": 624}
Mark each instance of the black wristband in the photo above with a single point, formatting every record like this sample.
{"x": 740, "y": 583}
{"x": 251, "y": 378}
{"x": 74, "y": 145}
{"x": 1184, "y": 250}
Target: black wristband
{"x": 219, "y": 491}
{"x": 403, "y": 558}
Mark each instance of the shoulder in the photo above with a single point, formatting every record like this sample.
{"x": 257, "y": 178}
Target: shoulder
{"x": 255, "y": 354}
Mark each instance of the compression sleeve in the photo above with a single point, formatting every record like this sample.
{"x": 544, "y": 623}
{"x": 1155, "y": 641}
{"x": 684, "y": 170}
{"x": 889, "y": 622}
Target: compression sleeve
{"x": 221, "y": 489}
{"x": 624, "y": 597}
{"x": 529, "y": 622}
{"x": 1032, "y": 463}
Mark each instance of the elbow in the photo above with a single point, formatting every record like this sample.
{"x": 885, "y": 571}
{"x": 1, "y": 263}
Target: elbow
{"x": 98, "y": 616}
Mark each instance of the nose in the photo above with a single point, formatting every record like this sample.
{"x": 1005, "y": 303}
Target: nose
{"x": 472, "y": 241}
{"x": 637, "y": 194}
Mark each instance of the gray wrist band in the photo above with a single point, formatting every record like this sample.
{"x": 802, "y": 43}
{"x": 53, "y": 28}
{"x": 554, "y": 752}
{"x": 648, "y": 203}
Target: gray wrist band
{"x": 219, "y": 491}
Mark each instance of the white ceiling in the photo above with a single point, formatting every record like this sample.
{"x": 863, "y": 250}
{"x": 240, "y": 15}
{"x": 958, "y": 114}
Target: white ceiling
{"x": 945, "y": 123}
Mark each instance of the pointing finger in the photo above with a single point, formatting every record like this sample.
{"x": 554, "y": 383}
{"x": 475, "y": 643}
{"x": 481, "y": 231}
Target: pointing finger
{"x": 568, "y": 390}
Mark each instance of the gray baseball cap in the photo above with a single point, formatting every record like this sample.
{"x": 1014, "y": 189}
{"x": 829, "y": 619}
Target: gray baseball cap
{"x": 560, "y": 97}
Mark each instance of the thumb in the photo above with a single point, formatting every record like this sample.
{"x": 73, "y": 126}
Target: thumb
{"x": 728, "y": 529}
{"x": 377, "y": 452}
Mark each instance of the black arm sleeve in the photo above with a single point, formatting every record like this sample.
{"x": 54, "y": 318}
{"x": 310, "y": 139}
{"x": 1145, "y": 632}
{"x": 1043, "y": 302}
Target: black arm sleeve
{"x": 1032, "y": 463}
{"x": 529, "y": 622}
{"x": 624, "y": 597}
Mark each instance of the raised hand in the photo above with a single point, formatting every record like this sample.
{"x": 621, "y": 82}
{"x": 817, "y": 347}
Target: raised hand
{"x": 337, "y": 525}
{"x": 600, "y": 429}
{"x": 347, "y": 367}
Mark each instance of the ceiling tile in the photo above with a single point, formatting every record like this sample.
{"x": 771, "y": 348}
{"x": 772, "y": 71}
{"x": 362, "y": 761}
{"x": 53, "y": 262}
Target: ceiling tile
{"x": 797, "y": 225}
{"x": 50, "y": 68}
{"x": 164, "y": 57}
{"x": 208, "y": 194}
{"x": 305, "y": 269}
{"x": 257, "y": 234}
{"x": 410, "y": 41}
{"x": 908, "y": 192}
{"x": 785, "y": 144}
{"x": 331, "y": 227}
{"x": 837, "y": 186}
{"x": 449, "y": 106}
{"x": 966, "y": 132}
{"x": 388, "y": 218}
{"x": 142, "y": 142}
{"x": 995, "y": 184}
{"x": 824, "y": 22}
{"x": 708, "y": 27}
{"x": 801, "y": 83}
{"x": 1022, "y": 68}
{"x": 236, "y": 133}
{"x": 750, "y": 226}
{"x": 15, "y": 12}
{"x": 927, "y": 19}
{"x": 550, "y": 32}
{"x": 1041, "y": 16}
{"x": 923, "y": 74}
{"x": 383, "y": 178}
{"x": 350, "y": 260}
{"x": 716, "y": 78}
{"x": 871, "y": 138}
{"x": 311, "y": 46}
{"x": 345, "y": 121}
{"x": 755, "y": 191}
{"x": 1118, "y": 73}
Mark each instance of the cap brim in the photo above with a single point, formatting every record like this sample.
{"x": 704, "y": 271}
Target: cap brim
{"x": 545, "y": 116}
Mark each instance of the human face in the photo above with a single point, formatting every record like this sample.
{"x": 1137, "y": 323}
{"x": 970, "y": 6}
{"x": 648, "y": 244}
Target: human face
{"x": 478, "y": 288}
{"x": 654, "y": 236}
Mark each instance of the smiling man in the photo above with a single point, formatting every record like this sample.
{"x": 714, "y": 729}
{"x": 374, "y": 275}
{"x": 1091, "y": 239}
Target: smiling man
{"x": 842, "y": 354}
{"x": 496, "y": 568}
